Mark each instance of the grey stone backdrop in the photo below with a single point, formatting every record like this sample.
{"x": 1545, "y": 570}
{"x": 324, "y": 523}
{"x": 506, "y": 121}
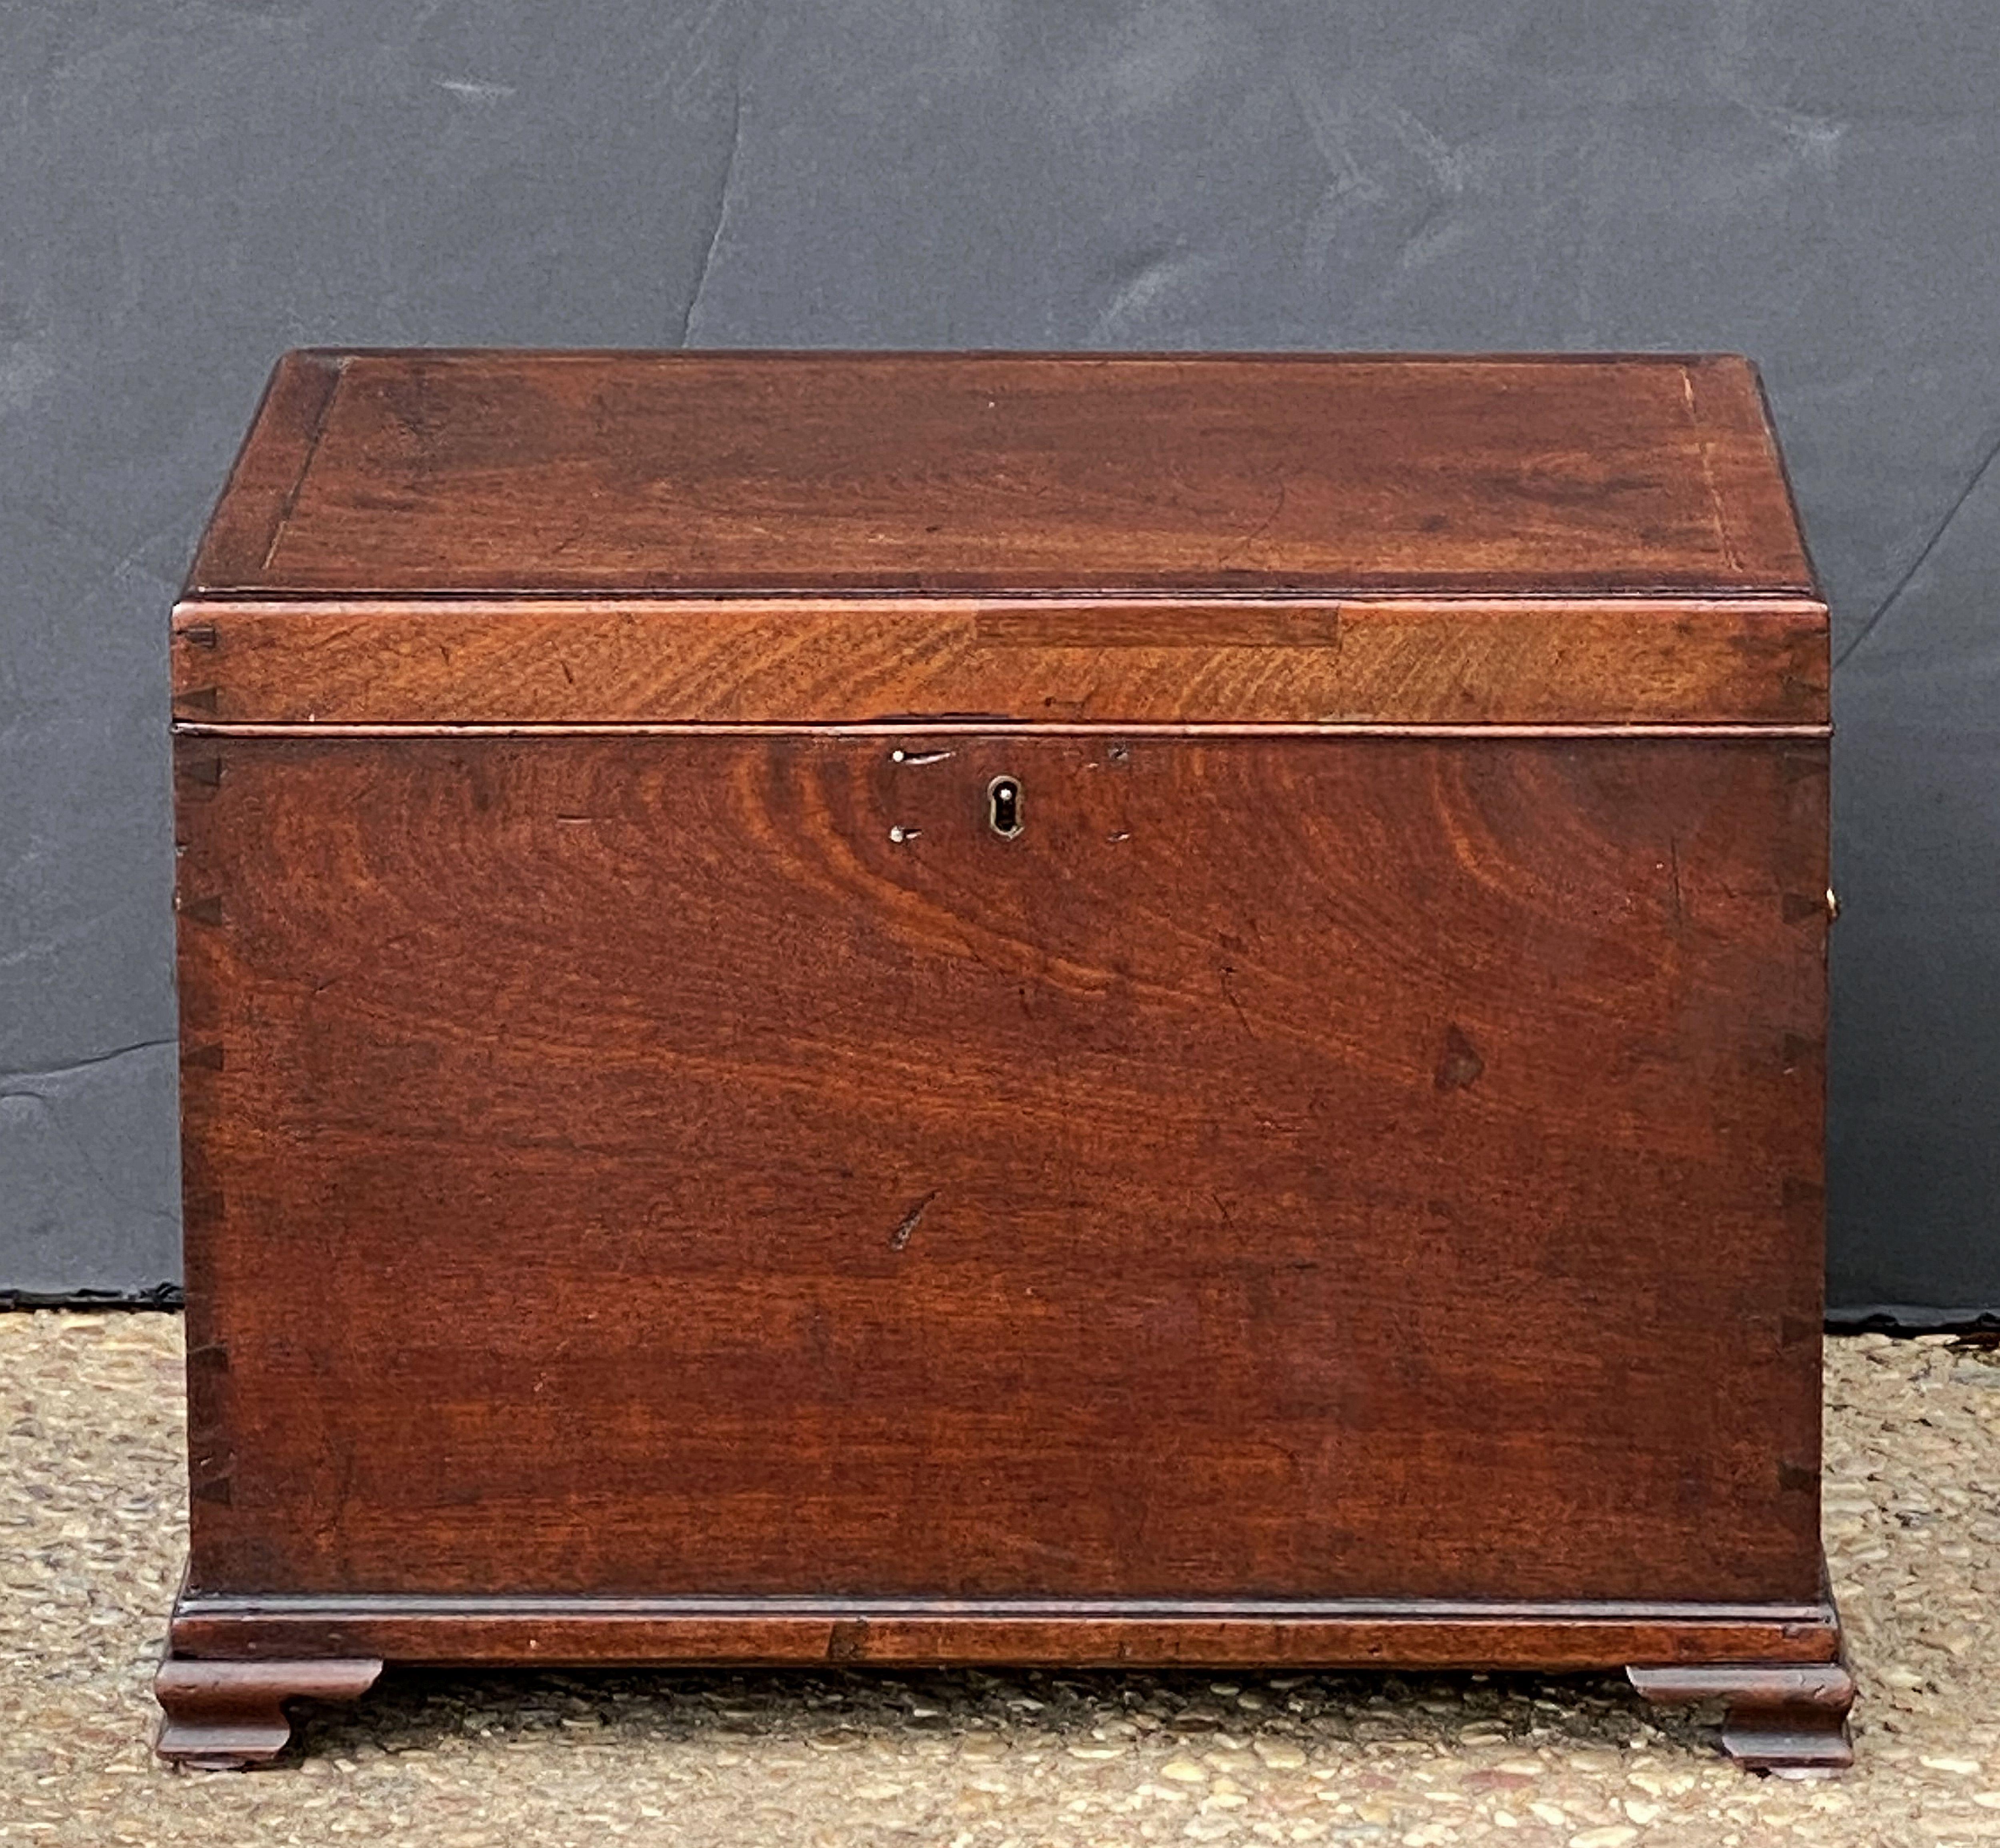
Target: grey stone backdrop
{"x": 186, "y": 190}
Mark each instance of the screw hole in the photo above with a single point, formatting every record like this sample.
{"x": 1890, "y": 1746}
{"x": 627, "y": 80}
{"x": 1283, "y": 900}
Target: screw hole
{"x": 1003, "y": 807}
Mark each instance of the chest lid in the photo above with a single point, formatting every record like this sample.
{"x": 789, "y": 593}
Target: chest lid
{"x": 492, "y": 538}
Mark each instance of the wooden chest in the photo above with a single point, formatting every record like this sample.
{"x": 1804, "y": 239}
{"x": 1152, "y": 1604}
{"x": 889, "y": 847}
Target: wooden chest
{"x": 909, "y": 1009}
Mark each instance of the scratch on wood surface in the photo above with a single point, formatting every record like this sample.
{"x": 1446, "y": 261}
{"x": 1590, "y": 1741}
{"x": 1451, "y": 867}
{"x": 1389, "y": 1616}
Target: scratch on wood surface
{"x": 1461, "y": 1065}
{"x": 1715, "y": 500}
{"x": 1257, "y": 532}
{"x": 847, "y": 1640}
{"x": 907, "y": 1224}
{"x": 1229, "y": 995}
{"x": 314, "y": 431}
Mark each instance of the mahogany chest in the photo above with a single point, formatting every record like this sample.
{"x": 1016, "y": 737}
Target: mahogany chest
{"x": 948, "y": 1008}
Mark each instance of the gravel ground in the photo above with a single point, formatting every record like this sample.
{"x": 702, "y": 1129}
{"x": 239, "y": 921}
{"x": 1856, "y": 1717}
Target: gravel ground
{"x": 90, "y": 1504}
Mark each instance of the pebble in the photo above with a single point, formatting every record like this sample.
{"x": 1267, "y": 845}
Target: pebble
{"x": 92, "y": 1509}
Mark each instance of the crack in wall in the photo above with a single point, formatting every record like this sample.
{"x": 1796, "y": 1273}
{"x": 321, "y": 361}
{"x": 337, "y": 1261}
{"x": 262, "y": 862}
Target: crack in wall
{"x": 725, "y": 192}
{"x": 84, "y": 1064}
{"x": 112, "y": 1191}
{"x": 1916, "y": 564}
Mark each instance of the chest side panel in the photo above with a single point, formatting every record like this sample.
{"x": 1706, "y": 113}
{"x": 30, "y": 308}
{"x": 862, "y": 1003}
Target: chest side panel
{"x": 1285, "y": 1167}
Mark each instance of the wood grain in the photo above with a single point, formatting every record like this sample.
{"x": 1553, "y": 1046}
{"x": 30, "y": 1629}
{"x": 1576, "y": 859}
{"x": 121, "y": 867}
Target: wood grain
{"x": 1383, "y": 660}
{"x": 1550, "y": 1638}
{"x": 585, "y": 473}
{"x": 1292, "y": 1167}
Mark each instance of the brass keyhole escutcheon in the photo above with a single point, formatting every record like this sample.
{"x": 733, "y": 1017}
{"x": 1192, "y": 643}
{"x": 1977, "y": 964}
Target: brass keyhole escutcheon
{"x": 1003, "y": 806}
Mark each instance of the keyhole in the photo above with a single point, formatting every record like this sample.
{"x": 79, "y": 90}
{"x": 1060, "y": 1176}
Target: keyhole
{"x": 1003, "y": 807}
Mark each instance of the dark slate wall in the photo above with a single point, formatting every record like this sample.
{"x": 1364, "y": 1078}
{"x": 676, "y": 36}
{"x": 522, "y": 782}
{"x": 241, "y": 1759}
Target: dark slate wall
{"x": 191, "y": 189}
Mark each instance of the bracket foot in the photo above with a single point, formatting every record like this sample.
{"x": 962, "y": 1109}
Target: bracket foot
{"x": 225, "y": 1716}
{"x": 1786, "y": 1717}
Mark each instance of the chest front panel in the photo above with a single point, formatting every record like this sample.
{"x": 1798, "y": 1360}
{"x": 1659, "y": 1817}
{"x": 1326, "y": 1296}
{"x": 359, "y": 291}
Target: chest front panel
{"x": 729, "y": 1162}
